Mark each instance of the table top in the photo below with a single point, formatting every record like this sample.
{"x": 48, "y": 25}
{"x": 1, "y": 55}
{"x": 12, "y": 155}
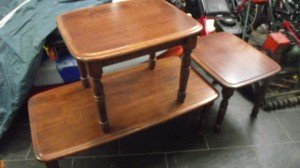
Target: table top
{"x": 231, "y": 61}
{"x": 65, "y": 120}
{"x": 116, "y": 29}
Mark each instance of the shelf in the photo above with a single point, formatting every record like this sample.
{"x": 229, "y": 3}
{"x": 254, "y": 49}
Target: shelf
{"x": 64, "y": 120}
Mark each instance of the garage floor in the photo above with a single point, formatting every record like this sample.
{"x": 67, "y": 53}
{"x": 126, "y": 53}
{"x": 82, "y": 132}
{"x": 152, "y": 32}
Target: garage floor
{"x": 270, "y": 141}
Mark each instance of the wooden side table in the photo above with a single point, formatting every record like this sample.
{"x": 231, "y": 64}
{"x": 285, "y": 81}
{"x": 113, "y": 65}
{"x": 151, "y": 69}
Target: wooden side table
{"x": 233, "y": 63}
{"x": 107, "y": 34}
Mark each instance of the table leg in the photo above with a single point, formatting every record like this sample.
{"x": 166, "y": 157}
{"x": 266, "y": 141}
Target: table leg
{"x": 83, "y": 74}
{"x": 99, "y": 95}
{"x": 204, "y": 118}
{"x": 226, "y": 94}
{"x": 52, "y": 164}
{"x": 152, "y": 61}
{"x": 214, "y": 82}
{"x": 260, "y": 97}
{"x": 185, "y": 67}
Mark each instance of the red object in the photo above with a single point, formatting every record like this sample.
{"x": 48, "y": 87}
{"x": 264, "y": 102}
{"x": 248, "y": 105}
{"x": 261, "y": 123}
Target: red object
{"x": 50, "y": 52}
{"x": 275, "y": 41}
{"x": 289, "y": 28}
{"x": 241, "y": 6}
{"x": 260, "y": 2}
{"x": 202, "y": 21}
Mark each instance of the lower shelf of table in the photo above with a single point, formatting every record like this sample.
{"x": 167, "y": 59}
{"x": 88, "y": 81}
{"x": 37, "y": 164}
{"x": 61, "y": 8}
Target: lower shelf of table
{"x": 65, "y": 120}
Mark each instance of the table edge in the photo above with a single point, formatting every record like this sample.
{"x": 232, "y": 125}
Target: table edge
{"x": 117, "y": 52}
{"x": 77, "y": 149}
{"x": 225, "y": 83}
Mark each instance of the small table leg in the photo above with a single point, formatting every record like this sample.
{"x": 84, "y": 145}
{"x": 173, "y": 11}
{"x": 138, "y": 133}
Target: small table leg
{"x": 185, "y": 67}
{"x": 52, "y": 164}
{"x": 260, "y": 97}
{"x": 152, "y": 61}
{"x": 226, "y": 94}
{"x": 96, "y": 75}
{"x": 184, "y": 75}
{"x": 204, "y": 118}
{"x": 83, "y": 74}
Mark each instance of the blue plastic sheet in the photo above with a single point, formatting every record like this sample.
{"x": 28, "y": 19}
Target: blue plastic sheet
{"x": 21, "y": 40}
{"x": 7, "y": 5}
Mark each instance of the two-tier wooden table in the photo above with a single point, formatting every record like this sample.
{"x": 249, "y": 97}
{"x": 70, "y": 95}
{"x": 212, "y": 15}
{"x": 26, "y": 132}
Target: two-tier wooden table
{"x": 111, "y": 33}
{"x": 65, "y": 120}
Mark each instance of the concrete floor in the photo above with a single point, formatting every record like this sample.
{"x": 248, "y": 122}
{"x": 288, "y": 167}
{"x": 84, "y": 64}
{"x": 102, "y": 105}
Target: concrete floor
{"x": 270, "y": 141}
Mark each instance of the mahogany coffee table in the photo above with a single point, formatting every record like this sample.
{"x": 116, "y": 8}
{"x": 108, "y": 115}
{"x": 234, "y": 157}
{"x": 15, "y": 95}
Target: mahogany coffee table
{"x": 64, "y": 120}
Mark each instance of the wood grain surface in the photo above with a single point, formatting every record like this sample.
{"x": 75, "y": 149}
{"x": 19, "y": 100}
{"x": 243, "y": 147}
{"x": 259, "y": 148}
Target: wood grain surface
{"x": 231, "y": 61}
{"x": 115, "y": 29}
{"x": 65, "y": 120}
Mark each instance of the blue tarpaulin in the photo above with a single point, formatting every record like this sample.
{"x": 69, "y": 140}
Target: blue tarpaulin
{"x": 7, "y": 5}
{"x": 21, "y": 40}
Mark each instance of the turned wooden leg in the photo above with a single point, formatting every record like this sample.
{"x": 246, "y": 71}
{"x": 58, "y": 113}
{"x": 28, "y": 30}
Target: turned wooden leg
{"x": 226, "y": 94}
{"x": 260, "y": 97}
{"x": 96, "y": 74}
{"x": 152, "y": 61}
{"x": 204, "y": 118}
{"x": 184, "y": 75}
{"x": 52, "y": 164}
{"x": 83, "y": 74}
{"x": 188, "y": 46}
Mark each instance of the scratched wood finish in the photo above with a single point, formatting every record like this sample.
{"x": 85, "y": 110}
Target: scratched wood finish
{"x": 65, "y": 120}
{"x": 231, "y": 61}
{"x": 115, "y": 29}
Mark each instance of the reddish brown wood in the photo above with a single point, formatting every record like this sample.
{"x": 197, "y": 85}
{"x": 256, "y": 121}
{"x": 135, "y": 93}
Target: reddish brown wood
{"x": 117, "y": 29}
{"x": 231, "y": 61}
{"x": 226, "y": 94}
{"x": 152, "y": 60}
{"x": 65, "y": 120}
{"x": 96, "y": 72}
{"x": 2, "y": 164}
{"x": 83, "y": 74}
{"x": 188, "y": 46}
{"x": 115, "y": 32}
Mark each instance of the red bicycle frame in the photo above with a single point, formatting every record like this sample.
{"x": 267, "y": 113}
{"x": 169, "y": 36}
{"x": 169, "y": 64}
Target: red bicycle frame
{"x": 242, "y": 5}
